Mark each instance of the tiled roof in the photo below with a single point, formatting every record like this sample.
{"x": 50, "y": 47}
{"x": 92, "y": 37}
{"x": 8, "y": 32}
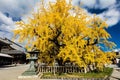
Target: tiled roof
{"x": 5, "y": 55}
{"x": 4, "y": 41}
{"x": 12, "y": 44}
{"x": 13, "y": 52}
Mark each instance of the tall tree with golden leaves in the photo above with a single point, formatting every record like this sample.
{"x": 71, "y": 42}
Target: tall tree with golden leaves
{"x": 64, "y": 32}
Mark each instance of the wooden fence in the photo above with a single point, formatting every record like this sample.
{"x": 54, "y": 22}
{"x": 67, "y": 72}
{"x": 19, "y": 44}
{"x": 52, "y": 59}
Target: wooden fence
{"x": 62, "y": 69}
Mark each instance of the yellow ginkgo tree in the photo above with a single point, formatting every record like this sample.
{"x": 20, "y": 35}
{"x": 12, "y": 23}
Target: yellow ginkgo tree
{"x": 64, "y": 32}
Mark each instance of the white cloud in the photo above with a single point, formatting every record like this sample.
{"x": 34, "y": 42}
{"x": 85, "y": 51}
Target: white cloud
{"x": 106, "y": 3}
{"x": 117, "y": 50}
{"x": 6, "y": 35}
{"x": 88, "y": 3}
{"x": 5, "y": 20}
{"x": 46, "y": 1}
{"x": 7, "y": 23}
{"x": 17, "y": 8}
{"x": 6, "y": 27}
{"x": 112, "y": 16}
{"x": 97, "y": 3}
{"x": 75, "y": 2}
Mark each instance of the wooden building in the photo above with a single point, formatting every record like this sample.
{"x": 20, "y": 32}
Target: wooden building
{"x": 5, "y": 59}
{"x": 14, "y": 52}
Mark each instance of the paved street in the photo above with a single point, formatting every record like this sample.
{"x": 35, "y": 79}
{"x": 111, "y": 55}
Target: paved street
{"x": 115, "y": 75}
{"x": 12, "y": 72}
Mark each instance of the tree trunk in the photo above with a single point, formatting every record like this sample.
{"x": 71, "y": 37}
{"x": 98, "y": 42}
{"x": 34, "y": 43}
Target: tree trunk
{"x": 54, "y": 66}
{"x": 60, "y": 63}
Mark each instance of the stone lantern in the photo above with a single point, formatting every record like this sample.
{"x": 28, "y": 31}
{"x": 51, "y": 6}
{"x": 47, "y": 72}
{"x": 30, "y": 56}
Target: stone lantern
{"x": 33, "y": 61}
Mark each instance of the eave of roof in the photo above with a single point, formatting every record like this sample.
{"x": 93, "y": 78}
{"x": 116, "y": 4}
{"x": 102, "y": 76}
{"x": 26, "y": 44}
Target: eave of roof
{"x": 5, "y": 55}
{"x": 13, "y": 52}
{"x": 4, "y": 41}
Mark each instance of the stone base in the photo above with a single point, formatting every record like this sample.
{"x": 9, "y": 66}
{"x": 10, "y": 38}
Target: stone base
{"x": 29, "y": 73}
{"x": 29, "y": 77}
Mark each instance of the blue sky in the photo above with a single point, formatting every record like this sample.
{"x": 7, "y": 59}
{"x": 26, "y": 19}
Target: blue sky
{"x": 16, "y": 10}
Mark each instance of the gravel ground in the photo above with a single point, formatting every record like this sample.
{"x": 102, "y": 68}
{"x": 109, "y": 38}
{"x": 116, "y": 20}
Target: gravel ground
{"x": 11, "y": 72}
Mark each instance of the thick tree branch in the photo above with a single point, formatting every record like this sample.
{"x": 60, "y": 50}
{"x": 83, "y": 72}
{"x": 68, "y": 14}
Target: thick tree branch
{"x": 36, "y": 34}
{"x": 88, "y": 42}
